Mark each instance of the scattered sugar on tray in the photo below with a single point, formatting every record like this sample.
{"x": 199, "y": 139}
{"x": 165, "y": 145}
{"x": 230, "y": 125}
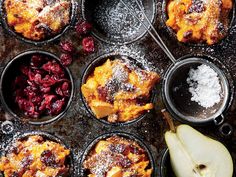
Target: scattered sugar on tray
{"x": 204, "y": 86}
{"x": 115, "y": 19}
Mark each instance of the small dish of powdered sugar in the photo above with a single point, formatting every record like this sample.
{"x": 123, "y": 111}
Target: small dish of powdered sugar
{"x": 196, "y": 91}
{"x": 204, "y": 85}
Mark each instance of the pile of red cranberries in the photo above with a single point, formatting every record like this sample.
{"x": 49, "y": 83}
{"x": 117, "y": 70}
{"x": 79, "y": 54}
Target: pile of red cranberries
{"x": 41, "y": 88}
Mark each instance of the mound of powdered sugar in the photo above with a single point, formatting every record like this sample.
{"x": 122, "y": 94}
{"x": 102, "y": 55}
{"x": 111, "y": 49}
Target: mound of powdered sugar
{"x": 204, "y": 85}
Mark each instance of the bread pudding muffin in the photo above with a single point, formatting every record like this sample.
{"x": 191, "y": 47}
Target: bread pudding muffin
{"x": 37, "y": 20}
{"x": 117, "y": 157}
{"x": 199, "y": 21}
{"x": 34, "y": 156}
{"x": 119, "y": 92}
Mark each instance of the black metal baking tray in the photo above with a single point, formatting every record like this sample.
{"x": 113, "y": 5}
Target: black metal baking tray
{"x": 77, "y": 128}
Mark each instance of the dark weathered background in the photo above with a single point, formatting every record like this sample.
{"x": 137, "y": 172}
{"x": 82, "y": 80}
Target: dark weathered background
{"x": 78, "y": 129}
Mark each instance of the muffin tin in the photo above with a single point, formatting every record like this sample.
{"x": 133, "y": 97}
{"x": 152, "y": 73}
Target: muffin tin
{"x": 77, "y": 127}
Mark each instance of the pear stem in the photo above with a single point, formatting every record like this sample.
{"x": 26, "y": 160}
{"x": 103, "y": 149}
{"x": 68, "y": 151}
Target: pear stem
{"x": 169, "y": 120}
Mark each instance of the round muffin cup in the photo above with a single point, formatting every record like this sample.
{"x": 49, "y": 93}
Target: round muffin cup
{"x": 82, "y": 171}
{"x": 11, "y": 31}
{"x": 99, "y": 33}
{"x": 4, "y": 92}
{"x": 47, "y": 136}
{"x": 173, "y": 73}
{"x": 172, "y": 33}
{"x": 98, "y": 62}
{"x": 165, "y": 167}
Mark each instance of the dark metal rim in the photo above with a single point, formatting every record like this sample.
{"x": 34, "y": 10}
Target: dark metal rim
{"x": 47, "y": 136}
{"x": 122, "y": 134}
{"x": 180, "y": 117}
{"x": 109, "y": 41}
{"x": 30, "y": 52}
{"x": 163, "y": 160}
{"x": 74, "y": 7}
{"x": 164, "y": 17}
{"x": 90, "y": 67}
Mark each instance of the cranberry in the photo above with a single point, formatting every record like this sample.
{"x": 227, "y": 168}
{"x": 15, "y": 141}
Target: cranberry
{"x": 83, "y": 28}
{"x": 53, "y": 67}
{"x": 57, "y": 107}
{"x": 63, "y": 90}
{"x": 37, "y": 100}
{"x": 36, "y": 60}
{"x": 88, "y": 44}
{"x": 26, "y": 106}
{"x": 48, "y": 100}
{"x": 48, "y": 81}
{"x": 45, "y": 89}
{"x": 41, "y": 87}
{"x": 38, "y": 79}
{"x": 67, "y": 47}
{"x": 48, "y": 158}
{"x": 66, "y": 59}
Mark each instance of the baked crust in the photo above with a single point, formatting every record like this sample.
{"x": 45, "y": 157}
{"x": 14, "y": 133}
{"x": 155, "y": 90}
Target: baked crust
{"x": 37, "y": 20}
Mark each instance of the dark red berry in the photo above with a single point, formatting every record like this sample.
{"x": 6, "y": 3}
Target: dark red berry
{"x": 48, "y": 158}
{"x": 66, "y": 59}
{"x": 53, "y": 67}
{"x": 57, "y": 106}
{"x": 36, "y": 60}
{"x": 67, "y": 46}
{"x": 83, "y": 28}
{"x": 88, "y": 44}
{"x": 41, "y": 88}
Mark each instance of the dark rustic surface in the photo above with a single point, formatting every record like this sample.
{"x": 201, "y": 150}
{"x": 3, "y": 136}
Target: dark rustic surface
{"x": 78, "y": 129}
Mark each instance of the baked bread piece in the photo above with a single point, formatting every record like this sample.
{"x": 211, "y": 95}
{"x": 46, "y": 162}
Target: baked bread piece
{"x": 117, "y": 157}
{"x": 199, "y": 20}
{"x": 37, "y": 19}
{"x": 35, "y": 157}
{"x": 119, "y": 92}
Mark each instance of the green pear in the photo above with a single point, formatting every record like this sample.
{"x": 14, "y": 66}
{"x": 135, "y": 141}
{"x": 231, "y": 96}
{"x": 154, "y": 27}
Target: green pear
{"x": 192, "y": 154}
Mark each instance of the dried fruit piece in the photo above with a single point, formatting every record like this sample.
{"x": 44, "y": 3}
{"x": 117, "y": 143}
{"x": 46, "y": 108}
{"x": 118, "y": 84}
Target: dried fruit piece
{"x": 67, "y": 46}
{"x": 41, "y": 88}
{"x": 88, "y": 44}
{"x": 83, "y": 28}
{"x": 66, "y": 59}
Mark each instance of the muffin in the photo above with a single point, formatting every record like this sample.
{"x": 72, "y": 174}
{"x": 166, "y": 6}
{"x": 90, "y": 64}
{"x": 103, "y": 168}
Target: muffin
{"x": 199, "y": 21}
{"x": 35, "y": 156}
{"x": 37, "y": 20}
{"x": 119, "y": 92}
{"x": 117, "y": 157}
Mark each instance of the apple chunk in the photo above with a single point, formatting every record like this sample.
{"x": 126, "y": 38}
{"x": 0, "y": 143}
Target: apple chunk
{"x": 193, "y": 154}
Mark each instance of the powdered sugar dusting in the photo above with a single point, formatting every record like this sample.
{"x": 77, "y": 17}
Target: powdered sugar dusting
{"x": 204, "y": 86}
{"x": 115, "y": 20}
